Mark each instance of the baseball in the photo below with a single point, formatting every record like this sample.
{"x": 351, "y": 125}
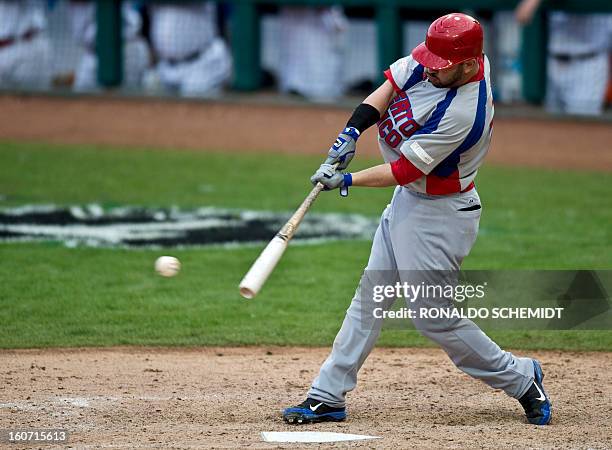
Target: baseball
{"x": 167, "y": 266}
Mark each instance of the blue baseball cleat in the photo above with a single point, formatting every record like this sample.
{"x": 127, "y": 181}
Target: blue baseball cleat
{"x": 535, "y": 402}
{"x": 312, "y": 411}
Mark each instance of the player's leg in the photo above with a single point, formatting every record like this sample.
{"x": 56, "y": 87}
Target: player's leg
{"x": 206, "y": 76}
{"x": 170, "y": 76}
{"x": 355, "y": 340}
{"x": 430, "y": 239}
{"x": 587, "y": 98}
{"x": 85, "y": 76}
{"x": 556, "y": 74}
{"x": 135, "y": 62}
{"x": 33, "y": 64}
{"x": 8, "y": 60}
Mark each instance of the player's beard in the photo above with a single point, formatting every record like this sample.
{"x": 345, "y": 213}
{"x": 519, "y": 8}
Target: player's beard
{"x": 454, "y": 78}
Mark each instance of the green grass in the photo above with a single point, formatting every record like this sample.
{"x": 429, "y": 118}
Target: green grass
{"x": 54, "y": 296}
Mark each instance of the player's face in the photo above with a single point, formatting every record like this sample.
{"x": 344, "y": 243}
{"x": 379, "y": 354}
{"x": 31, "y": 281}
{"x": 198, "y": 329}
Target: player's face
{"x": 444, "y": 78}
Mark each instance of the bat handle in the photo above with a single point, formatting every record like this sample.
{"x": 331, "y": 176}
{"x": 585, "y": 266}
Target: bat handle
{"x": 289, "y": 229}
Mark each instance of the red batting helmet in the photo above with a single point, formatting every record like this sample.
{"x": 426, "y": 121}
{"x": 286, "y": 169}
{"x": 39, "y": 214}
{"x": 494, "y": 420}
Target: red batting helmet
{"x": 451, "y": 39}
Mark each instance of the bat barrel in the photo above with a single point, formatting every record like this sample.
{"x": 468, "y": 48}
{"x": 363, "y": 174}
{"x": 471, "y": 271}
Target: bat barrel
{"x": 247, "y": 292}
{"x": 269, "y": 257}
{"x": 262, "y": 267}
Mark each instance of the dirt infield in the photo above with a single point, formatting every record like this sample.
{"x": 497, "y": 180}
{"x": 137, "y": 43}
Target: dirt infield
{"x": 224, "y": 398}
{"x": 255, "y": 127}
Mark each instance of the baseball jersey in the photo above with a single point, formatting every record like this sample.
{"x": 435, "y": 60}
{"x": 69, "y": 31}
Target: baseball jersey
{"x": 576, "y": 34}
{"x": 19, "y": 17}
{"x": 443, "y": 132}
{"x": 179, "y": 30}
{"x": 83, "y": 22}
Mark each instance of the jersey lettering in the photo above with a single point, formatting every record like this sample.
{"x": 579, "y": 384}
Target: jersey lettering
{"x": 397, "y": 124}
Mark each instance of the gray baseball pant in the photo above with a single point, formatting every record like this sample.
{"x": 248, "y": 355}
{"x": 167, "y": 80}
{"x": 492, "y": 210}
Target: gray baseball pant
{"x": 419, "y": 233}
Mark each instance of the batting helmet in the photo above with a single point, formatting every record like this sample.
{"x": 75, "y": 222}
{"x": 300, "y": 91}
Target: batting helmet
{"x": 451, "y": 39}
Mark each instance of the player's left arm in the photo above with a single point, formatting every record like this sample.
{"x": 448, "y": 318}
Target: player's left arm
{"x": 381, "y": 97}
{"x": 399, "y": 172}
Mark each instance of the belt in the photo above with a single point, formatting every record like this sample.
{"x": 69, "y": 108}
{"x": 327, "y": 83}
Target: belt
{"x": 186, "y": 59}
{"x": 469, "y": 187}
{"x": 28, "y": 35}
{"x": 566, "y": 57}
{"x": 426, "y": 195}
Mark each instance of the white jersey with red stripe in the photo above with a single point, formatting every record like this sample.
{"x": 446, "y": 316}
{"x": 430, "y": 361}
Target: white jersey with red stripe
{"x": 444, "y": 132}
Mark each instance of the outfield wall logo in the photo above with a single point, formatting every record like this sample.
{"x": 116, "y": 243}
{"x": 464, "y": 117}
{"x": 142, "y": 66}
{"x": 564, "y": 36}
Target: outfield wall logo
{"x": 495, "y": 300}
{"x": 129, "y": 226}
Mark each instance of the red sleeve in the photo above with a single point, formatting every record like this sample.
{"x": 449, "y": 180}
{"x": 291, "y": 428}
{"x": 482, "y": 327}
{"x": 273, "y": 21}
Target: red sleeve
{"x": 389, "y": 76}
{"x": 404, "y": 171}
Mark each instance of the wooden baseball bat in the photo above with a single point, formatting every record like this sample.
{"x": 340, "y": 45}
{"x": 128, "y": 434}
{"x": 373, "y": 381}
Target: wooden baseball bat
{"x": 269, "y": 257}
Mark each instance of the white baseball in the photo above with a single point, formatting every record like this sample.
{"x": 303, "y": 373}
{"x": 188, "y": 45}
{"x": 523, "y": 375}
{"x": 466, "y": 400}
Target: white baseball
{"x": 167, "y": 266}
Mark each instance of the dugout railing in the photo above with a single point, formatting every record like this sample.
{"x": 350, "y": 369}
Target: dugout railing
{"x": 245, "y": 30}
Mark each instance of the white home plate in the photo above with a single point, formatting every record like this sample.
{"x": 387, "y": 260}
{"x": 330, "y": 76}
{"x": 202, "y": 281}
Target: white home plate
{"x": 312, "y": 436}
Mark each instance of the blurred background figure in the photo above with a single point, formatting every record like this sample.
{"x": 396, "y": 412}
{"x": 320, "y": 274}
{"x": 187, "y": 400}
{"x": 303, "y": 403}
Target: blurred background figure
{"x": 504, "y": 43}
{"x": 191, "y": 58}
{"x": 24, "y": 46}
{"x": 609, "y": 92}
{"x": 311, "y": 52}
{"x": 135, "y": 50}
{"x": 578, "y": 59}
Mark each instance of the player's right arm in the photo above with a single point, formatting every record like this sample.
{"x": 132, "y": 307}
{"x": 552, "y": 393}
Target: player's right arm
{"x": 403, "y": 72}
{"x": 525, "y": 10}
{"x": 363, "y": 117}
{"x": 381, "y": 97}
{"x": 383, "y": 175}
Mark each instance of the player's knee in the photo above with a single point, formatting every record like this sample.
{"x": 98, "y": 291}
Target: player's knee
{"x": 432, "y": 328}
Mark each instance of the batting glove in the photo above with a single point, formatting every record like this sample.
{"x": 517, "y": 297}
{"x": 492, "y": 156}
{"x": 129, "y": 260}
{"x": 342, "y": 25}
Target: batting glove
{"x": 331, "y": 179}
{"x": 343, "y": 149}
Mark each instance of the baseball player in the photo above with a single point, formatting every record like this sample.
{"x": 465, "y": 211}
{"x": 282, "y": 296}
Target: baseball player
{"x": 308, "y": 36}
{"x": 135, "y": 49}
{"x": 578, "y": 50}
{"x": 24, "y": 45}
{"x": 434, "y": 115}
{"x": 193, "y": 59}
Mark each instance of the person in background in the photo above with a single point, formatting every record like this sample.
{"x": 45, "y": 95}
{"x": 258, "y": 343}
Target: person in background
{"x": 312, "y": 51}
{"x": 135, "y": 49}
{"x": 609, "y": 92}
{"x": 578, "y": 61}
{"x": 24, "y": 45}
{"x": 191, "y": 58}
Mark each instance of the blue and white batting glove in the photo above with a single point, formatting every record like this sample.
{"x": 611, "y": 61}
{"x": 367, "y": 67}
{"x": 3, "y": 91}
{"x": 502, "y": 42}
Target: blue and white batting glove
{"x": 331, "y": 179}
{"x": 343, "y": 150}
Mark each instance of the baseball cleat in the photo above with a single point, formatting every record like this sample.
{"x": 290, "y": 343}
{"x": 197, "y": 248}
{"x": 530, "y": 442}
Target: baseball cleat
{"x": 312, "y": 411}
{"x": 535, "y": 402}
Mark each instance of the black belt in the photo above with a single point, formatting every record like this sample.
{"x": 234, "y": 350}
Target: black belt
{"x": 566, "y": 57}
{"x": 186, "y": 59}
{"x": 24, "y": 37}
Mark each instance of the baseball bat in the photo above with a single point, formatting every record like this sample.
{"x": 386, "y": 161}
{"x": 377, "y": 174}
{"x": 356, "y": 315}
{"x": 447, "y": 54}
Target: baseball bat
{"x": 271, "y": 255}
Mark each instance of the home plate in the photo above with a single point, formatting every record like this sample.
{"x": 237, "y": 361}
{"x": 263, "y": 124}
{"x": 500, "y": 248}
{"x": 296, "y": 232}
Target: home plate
{"x": 312, "y": 436}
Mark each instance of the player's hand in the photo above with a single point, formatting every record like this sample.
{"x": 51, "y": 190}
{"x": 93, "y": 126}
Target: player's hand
{"x": 343, "y": 150}
{"x": 331, "y": 179}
